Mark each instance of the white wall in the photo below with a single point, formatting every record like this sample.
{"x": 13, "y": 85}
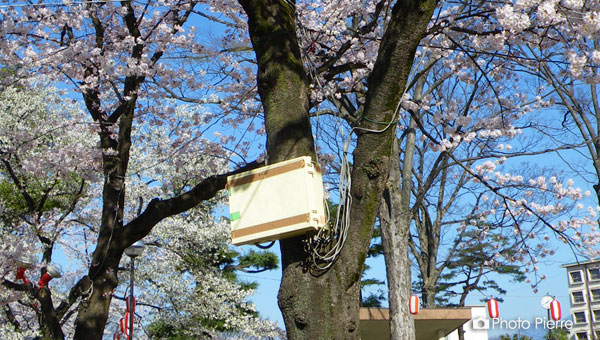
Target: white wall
{"x": 477, "y": 313}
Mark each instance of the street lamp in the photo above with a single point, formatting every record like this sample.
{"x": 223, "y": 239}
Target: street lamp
{"x": 545, "y": 302}
{"x": 53, "y": 271}
{"x": 24, "y": 262}
{"x": 133, "y": 251}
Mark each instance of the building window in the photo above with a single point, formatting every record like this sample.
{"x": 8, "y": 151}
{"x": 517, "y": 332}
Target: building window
{"x": 594, "y": 273}
{"x": 579, "y": 317}
{"x": 597, "y": 315}
{"x": 582, "y": 336}
{"x": 578, "y": 297}
{"x": 596, "y": 294}
{"x": 575, "y": 276}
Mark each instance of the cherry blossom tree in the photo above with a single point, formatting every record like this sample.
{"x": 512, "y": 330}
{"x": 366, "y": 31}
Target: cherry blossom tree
{"x": 186, "y": 279}
{"x": 529, "y": 40}
{"x": 468, "y": 39}
{"x": 445, "y": 205}
{"x": 39, "y": 193}
{"x": 109, "y": 55}
{"x": 562, "y": 55}
{"x": 41, "y": 215}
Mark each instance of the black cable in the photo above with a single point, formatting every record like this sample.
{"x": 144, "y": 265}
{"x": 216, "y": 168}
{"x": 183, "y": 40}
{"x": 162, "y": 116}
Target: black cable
{"x": 265, "y": 247}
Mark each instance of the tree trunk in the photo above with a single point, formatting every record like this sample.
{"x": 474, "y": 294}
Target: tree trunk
{"x": 428, "y": 294}
{"x": 395, "y": 220}
{"x": 326, "y": 306}
{"x": 50, "y": 326}
{"x": 92, "y": 316}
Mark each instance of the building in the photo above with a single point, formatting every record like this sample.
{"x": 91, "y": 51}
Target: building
{"x": 584, "y": 297}
{"x": 430, "y": 324}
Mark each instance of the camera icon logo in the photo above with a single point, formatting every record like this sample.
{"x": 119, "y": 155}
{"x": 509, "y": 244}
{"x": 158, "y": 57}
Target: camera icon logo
{"x": 480, "y": 323}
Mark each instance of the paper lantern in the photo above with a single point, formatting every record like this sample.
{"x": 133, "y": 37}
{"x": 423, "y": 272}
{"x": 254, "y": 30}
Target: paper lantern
{"x": 414, "y": 304}
{"x": 130, "y": 301}
{"x": 127, "y": 322}
{"x": 493, "y": 311}
{"x": 555, "y": 310}
{"x": 123, "y": 326}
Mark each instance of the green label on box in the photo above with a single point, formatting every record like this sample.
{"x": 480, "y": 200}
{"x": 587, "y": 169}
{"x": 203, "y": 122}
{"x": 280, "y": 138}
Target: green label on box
{"x": 234, "y": 216}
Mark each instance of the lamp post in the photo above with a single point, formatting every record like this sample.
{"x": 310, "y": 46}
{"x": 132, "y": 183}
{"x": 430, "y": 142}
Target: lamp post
{"x": 133, "y": 251}
{"x": 545, "y": 302}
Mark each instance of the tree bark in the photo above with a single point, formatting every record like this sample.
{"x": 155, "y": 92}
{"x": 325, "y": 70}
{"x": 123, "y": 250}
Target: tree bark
{"x": 50, "y": 325}
{"x": 395, "y": 218}
{"x": 428, "y": 294}
{"x": 91, "y": 318}
{"x": 326, "y": 306}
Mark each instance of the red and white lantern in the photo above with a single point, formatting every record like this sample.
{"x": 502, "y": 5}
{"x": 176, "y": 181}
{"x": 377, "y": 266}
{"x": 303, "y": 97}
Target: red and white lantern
{"x": 493, "y": 311}
{"x": 124, "y": 326}
{"x": 555, "y": 310}
{"x": 414, "y": 304}
{"x": 130, "y": 301}
{"x": 117, "y": 336}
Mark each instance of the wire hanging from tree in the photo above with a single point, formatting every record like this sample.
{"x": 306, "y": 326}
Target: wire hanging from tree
{"x": 326, "y": 245}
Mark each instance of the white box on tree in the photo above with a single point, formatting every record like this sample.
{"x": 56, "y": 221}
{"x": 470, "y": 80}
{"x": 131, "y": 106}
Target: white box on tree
{"x": 276, "y": 201}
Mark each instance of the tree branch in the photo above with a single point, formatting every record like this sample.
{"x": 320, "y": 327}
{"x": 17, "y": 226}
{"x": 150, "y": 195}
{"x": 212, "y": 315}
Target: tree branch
{"x": 158, "y": 209}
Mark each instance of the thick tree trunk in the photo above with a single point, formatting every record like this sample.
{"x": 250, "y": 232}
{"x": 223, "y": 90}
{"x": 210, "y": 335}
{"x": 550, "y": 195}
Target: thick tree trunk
{"x": 93, "y": 314}
{"x": 282, "y": 86}
{"x": 326, "y": 306}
